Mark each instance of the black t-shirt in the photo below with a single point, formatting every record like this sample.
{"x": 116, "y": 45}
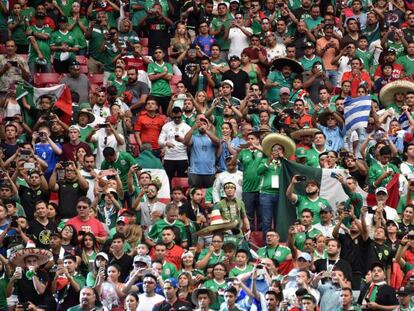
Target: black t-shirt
{"x": 157, "y": 34}
{"x": 27, "y": 292}
{"x": 41, "y": 234}
{"x": 239, "y": 80}
{"x": 188, "y": 69}
{"x": 320, "y": 265}
{"x": 125, "y": 263}
{"x": 178, "y": 305}
{"x": 28, "y": 198}
{"x": 386, "y": 296}
{"x": 301, "y": 39}
{"x": 8, "y": 150}
{"x": 351, "y": 251}
{"x": 374, "y": 252}
{"x": 69, "y": 193}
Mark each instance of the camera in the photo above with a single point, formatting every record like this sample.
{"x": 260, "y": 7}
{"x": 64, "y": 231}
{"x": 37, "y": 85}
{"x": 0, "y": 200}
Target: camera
{"x": 13, "y": 223}
{"x": 203, "y": 68}
{"x": 65, "y": 164}
{"x": 102, "y": 126}
{"x": 9, "y": 119}
{"x": 280, "y": 4}
{"x": 300, "y": 178}
{"x": 251, "y": 109}
{"x": 24, "y": 154}
{"x": 13, "y": 63}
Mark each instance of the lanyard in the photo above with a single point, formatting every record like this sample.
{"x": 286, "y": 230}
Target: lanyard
{"x": 330, "y": 267}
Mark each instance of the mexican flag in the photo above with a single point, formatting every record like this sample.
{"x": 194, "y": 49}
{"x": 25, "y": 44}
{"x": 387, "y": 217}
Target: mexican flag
{"x": 60, "y": 95}
{"x": 331, "y": 190}
{"x": 153, "y": 165}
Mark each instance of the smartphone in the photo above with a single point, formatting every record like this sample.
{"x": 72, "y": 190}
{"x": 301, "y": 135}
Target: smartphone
{"x": 60, "y": 174}
{"x": 24, "y": 154}
{"x": 300, "y": 178}
{"x": 29, "y": 166}
{"x": 327, "y": 274}
{"x": 102, "y": 126}
{"x": 9, "y": 119}
{"x": 244, "y": 146}
{"x": 333, "y": 175}
{"x": 13, "y": 63}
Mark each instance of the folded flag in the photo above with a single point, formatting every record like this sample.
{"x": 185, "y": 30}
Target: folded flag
{"x": 357, "y": 112}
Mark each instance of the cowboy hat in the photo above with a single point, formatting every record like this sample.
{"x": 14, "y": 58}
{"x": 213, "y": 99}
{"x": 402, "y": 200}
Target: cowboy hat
{"x": 287, "y": 143}
{"x": 85, "y": 108}
{"x": 283, "y": 61}
{"x": 323, "y": 117}
{"x": 217, "y": 224}
{"x": 43, "y": 255}
{"x": 387, "y": 93}
{"x": 202, "y": 290}
{"x": 305, "y": 131}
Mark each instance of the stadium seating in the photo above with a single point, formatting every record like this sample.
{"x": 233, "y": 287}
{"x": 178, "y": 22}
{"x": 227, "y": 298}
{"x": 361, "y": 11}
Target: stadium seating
{"x": 46, "y": 79}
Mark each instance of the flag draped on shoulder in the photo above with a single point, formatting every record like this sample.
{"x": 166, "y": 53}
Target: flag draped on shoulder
{"x": 153, "y": 165}
{"x": 357, "y": 112}
{"x": 60, "y": 95}
{"x": 330, "y": 189}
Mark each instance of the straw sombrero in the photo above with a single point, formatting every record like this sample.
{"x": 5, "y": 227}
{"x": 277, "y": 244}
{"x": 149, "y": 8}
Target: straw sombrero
{"x": 86, "y": 109}
{"x": 283, "y": 61}
{"x": 387, "y": 93}
{"x": 296, "y": 135}
{"x": 217, "y": 224}
{"x": 272, "y": 139}
{"x": 43, "y": 255}
{"x": 323, "y": 117}
{"x": 203, "y": 290}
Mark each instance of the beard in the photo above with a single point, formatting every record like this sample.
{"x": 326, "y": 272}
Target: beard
{"x": 312, "y": 193}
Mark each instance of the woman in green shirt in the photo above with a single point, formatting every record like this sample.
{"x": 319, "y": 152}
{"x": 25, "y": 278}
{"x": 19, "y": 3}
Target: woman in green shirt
{"x": 87, "y": 252}
{"x": 217, "y": 284}
{"x": 78, "y": 26}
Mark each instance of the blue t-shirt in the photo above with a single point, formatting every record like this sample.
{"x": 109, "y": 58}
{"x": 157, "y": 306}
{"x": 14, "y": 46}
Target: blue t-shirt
{"x": 205, "y": 43}
{"x": 334, "y": 137}
{"x": 46, "y": 152}
{"x": 203, "y": 156}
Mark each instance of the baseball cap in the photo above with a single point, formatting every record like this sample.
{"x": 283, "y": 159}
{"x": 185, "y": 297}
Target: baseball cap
{"x": 300, "y": 152}
{"x": 103, "y": 255}
{"x": 305, "y": 256}
{"x": 377, "y": 264}
{"x": 176, "y": 109}
{"x": 144, "y": 259}
{"x": 75, "y": 63}
{"x": 404, "y": 291}
{"x": 390, "y": 51}
{"x": 228, "y": 82}
{"x": 123, "y": 219}
{"x": 326, "y": 209}
{"x": 74, "y": 128}
{"x": 125, "y": 211}
{"x": 381, "y": 189}
{"x": 234, "y": 57}
{"x": 284, "y": 90}
{"x": 202, "y": 118}
{"x": 392, "y": 222}
{"x": 309, "y": 44}
{"x": 173, "y": 282}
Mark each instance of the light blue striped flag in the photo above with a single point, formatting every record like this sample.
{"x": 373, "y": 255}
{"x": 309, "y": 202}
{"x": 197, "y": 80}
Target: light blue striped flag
{"x": 357, "y": 112}
{"x": 404, "y": 122}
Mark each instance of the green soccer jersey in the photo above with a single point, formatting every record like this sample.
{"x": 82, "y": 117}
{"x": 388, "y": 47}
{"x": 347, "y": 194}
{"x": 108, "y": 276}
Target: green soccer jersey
{"x": 377, "y": 169}
{"x": 221, "y": 63}
{"x": 402, "y": 203}
{"x": 77, "y": 31}
{"x": 214, "y": 258}
{"x": 407, "y": 63}
{"x": 18, "y": 34}
{"x": 279, "y": 106}
{"x": 122, "y": 164}
{"x": 108, "y": 55}
{"x": 3, "y": 16}
{"x": 300, "y": 237}
{"x": 366, "y": 57}
{"x": 236, "y": 271}
{"x": 250, "y": 161}
{"x": 44, "y": 45}
{"x": 218, "y": 289}
{"x": 280, "y": 252}
{"x": 314, "y": 205}
{"x": 312, "y": 157}
{"x": 255, "y": 119}
{"x": 156, "y": 229}
{"x": 95, "y": 41}
{"x": 273, "y": 94}
{"x": 58, "y": 38}
{"x": 120, "y": 86}
{"x": 66, "y": 6}
{"x": 168, "y": 270}
{"x": 307, "y": 63}
{"x": 270, "y": 174}
{"x": 160, "y": 87}
{"x": 137, "y": 14}
{"x": 216, "y": 24}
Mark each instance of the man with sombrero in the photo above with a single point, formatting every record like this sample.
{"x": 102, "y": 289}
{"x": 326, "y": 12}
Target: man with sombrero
{"x": 28, "y": 279}
{"x": 276, "y": 147}
{"x": 332, "y": 124}
{"x": 392, "y": 94}
{"x": 284, "y": 70}
{"x": 304, "y": 136}
{"x": 84, "y": 119}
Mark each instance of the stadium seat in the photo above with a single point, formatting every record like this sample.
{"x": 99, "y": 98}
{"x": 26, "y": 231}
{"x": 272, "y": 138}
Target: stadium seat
{"x": 2, "y": 48}
{"x": 46, "y": 79}
{"x": 83, "y": 60}
{"x": 84, "y": 69}
{"x": 143, "y": 41}
{"x": 96, "y": 78}
{"x": 25, "y": 57}
{"x": 180, "y": 182}
{"x": 134, "y": 144}
{"x": 145, "y": 50}
{"x": 173, "y": 83}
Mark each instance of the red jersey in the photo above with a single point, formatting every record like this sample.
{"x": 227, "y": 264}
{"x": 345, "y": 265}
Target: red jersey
{"x": 149, "y": 128}
{"x": 135, "y": 62}
{"x": 91, "y": 225}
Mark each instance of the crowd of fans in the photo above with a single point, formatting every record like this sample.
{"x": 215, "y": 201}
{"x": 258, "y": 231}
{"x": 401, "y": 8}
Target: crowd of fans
{"x": 219, "y": 95}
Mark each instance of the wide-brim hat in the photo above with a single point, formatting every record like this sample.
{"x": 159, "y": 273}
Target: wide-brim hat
{"x": 272, "y": 139}
{"x": 323, "y": 117}
{"x": 195, "y": 293}
{"x": 284, "y": 61}
{"x": 43, "y": 256}
{"x": 386, "y": 95}
{"x": 306, "y": 131}
{"x": 217, "y": 228}
{"x": 90, "y": 115}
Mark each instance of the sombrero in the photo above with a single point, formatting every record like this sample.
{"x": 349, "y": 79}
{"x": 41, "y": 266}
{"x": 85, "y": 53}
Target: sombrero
{"x": 202, "y": 290}
{"x": 306, "y": 130}
{"x": 43, "y": 255}
{"x": 217, "y": 224}
{"x": 323, "y": 117}
{"x": 387, "y": 93}
{"x": 283, "y": 61}
{"x": 272, "y": 139}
